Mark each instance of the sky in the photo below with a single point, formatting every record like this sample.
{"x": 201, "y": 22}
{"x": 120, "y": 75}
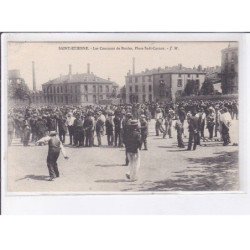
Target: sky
{"x": 107, "y": 59}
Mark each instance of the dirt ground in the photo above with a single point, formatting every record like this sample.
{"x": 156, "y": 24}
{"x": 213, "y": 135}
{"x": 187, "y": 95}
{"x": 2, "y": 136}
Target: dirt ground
{"x": 164, "y": 167}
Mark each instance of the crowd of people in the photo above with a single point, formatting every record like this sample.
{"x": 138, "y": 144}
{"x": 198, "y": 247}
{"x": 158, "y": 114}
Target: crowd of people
{"x": 124, "y": 125}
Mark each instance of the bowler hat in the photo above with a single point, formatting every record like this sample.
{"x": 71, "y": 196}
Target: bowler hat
{"x": 52, "y": 133}
{"x": 134, "y": 123}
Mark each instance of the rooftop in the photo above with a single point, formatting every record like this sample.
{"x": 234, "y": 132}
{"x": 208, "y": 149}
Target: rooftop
{"x": 179, "y": 69}
{"x": 79, "y": 78}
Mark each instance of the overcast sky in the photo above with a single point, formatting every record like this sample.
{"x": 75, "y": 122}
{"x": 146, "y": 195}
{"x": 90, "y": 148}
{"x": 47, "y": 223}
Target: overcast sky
{"x": 51, "y": 61}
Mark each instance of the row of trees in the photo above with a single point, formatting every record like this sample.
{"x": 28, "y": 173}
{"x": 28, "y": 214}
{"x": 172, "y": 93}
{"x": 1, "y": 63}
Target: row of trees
{"x": 192, "y": 88}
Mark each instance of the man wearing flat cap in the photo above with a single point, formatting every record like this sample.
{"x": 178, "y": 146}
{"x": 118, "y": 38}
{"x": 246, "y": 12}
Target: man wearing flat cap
{"x": 133, "y": 143}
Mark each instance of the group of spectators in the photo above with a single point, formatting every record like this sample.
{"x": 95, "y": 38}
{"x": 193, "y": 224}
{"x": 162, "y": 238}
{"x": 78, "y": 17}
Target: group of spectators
{"x": 124, "y": 125}
{"x": 85, "y": 123}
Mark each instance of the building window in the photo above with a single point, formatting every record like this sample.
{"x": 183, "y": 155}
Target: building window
{"x": 61, "y": 89}
{"x": 149, "y": 78}
{"x": 150, "y": 98}
{"x": 75, "y": 89}
{"x": 57, "y": 89}
{"x": 107, "y": 88}
{"x": 179, "y": 75}
{"x": 188, "y": 75}
{"x": 136, "y": 79}
{"x": 100, "y": 88}
{"x": 226, "y": 56}
{"x": 130, "y": 79}
{"x": 144, "y": 98}
{"x": 136, "y": 88}
{"x": 232, "y": 67}
{"x": 161, "y": 75}
{"x": 130, "y": 88}
{"x": 54, "y": 90}
{"x": 179, "y": 83}
{"x": 94, "y": 88}
{"x": 197, "y": 75}
{"x": 86, "y": 98}
{"x": 143, "y": 78}
{"x": 94, "y": 98}
{"x": 101, "y": 97}
{"x": 143, "y": 88}
{"x": 66, "y": 89}
{"x": 149, "y": 88}
{"x": 86, "y": 88}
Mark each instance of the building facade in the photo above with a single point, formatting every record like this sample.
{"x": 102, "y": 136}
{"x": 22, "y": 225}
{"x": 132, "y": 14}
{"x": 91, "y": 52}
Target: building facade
{"x": 162, "y": 84}
{"x": 229, "y": 70}
{"x": 78, "y": 89}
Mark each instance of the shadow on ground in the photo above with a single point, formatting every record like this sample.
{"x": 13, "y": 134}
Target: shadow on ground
{"x": 218, "y": 173}
{"x": 109, "y": 165}
{"x": 112, "y": 181}
{"x": 35, "y": 177}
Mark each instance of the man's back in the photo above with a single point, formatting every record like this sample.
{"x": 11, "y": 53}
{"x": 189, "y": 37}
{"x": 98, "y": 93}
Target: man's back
{"x": 133, "y": 141}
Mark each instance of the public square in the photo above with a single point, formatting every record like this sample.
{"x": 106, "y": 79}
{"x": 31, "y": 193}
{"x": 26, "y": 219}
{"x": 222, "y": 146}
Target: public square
{"x": 164, "y": 167}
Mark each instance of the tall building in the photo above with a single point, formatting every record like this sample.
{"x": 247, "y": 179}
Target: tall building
{"x": 78, "y": 89}
{"x": 161, "y": 84}
{"x": 229, "y": 70}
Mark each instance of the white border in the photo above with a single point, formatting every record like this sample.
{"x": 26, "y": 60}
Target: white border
{"x": 30, "y": 204}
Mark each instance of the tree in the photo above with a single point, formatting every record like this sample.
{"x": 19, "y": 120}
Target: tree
{"x": 18, "y": 89}
{"x": 190, "y": 88}
{"x": 207, "y": 87}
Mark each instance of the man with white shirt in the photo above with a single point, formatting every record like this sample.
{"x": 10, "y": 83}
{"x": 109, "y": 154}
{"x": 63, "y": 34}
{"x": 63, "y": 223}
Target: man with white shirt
{"x": 225, "y": 124}
{"x": 70, "y": 124}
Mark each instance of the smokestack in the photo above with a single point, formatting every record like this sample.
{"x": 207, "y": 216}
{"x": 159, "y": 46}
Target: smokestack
{"x": 88, "y": 68}
{"x": 133, "y": 70}
{"x": 34, "y": 76}
{"x": 70, "y": 69}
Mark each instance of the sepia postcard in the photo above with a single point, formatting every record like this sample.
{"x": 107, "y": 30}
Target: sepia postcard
{"x": 120, "y": 113}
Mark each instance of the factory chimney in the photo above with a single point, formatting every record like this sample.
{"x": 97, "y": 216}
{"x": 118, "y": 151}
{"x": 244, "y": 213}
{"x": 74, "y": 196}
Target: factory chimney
{"x": 34, "y": 76}
{"x": 88, "y": 68}
{"x": 70, "y": 69}
{"x": 133, "y": 70}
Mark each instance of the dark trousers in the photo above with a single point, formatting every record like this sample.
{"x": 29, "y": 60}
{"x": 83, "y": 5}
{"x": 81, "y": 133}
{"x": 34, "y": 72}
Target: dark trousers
{"x": 99, "y": 137}
{"x": 225, "y": 134}
{"x": 193, "y": 139}
{"x": 89, "y": 139}
{"x": 126, "y": 157}
{"x": 202, "y": 129}
{"x": 26, "y": 138}
{"x": 144, "y": 141}
{"x": 180, "y": 140}
{"x": 210, "y": 131}
{"x": 79, "y": 138}
{"x": 71, "y": 134}
{"x": 118, "y": 138}
{"x": 52, "y": 164}
{"x": 110, "y": 138}
{"x": 62, "y": 136}
{"x": 157, "y": 128}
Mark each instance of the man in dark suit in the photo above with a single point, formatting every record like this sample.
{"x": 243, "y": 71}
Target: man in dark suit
{"x": 88, "y": 126}
{"x": 193, "y": 129}
{"x": 117, "y": 123}
{"x": 133, "y": 143}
